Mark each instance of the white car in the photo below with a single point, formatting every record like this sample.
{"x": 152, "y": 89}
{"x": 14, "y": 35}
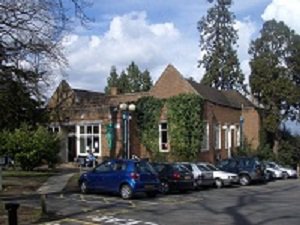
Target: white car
{"x": 276, "y": 173}
{"x": 202, "y": 178}
{"x": 286, "y": 171}
{"x": 221, "y": 178}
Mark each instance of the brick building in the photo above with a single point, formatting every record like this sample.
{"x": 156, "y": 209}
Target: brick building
{"x": 82, "y": 119}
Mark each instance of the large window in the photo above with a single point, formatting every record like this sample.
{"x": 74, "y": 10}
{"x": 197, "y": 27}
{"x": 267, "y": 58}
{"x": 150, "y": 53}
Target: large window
{"x": 54, "y": 129}
{"x": 163, "y": 137}
{"x": 217, "y": 132}
{"x": 205, "y": 139}
{"x": 226, "y": 133}
{"x": 238, "y": 136}
{"x": 89, "y": 138}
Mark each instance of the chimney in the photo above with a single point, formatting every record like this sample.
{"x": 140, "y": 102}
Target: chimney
{"x": 114, "y": 91}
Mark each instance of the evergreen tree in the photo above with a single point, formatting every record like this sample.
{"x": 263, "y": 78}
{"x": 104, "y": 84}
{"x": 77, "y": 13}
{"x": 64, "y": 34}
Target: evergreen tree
{"x": 132, "y": 81}
{"x": 134, "y": 77}
{"x": 123, "y": 83}
{"x": 112, "y": 80}
{"x": 146, "y": 81}
{"x": 217, "y": 39}
{"x": 274, "y": 78}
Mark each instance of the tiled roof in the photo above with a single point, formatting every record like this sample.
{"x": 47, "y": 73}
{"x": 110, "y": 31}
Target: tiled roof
{"x": 89, "y": 97}
{"x": 128, "y": 97}
{"x": 226, "y": 98}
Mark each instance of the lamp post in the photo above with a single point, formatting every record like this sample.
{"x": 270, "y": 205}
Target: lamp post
{"x": 242, "y": 132}
{"x": 126, "y": 117}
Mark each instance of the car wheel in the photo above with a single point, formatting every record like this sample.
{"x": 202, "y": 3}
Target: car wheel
{"x": 151, "y": 194}
{"x": 244, "y": 180}
{"x": 83, "y": 187}
{"x": 164, "y": 187}
{"x": 285, "y": 175}
{"x": 218, "y": 183}
{"x": 126, "y": 191}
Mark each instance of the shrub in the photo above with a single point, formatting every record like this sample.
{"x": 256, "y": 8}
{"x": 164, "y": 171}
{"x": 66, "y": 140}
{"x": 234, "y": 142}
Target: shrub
{"x": 31, "y": 147}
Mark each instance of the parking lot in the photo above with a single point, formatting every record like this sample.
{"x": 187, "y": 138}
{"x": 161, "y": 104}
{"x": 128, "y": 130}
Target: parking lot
{"x": 273, "y": 203}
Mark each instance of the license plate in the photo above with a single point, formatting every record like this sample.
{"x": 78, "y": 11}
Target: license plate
{"x": 149, "y": 187}
{"x": 187, "y": 177}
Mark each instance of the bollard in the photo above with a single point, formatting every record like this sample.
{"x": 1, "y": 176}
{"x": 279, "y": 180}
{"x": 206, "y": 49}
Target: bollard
{"x": 1, "y": 188}
{"x": 12, "y": 213}
{"x": 43, "y": 204}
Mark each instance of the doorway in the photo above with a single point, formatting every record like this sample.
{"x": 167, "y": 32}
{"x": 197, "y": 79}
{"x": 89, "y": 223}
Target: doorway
{"x": 71, "y": 148}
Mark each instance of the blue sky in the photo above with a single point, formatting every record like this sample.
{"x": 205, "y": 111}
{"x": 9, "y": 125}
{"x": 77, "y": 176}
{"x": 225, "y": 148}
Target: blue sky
{"x": 154, "y": 33}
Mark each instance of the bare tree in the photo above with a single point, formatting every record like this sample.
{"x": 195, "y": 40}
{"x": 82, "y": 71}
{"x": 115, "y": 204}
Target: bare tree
{"x": 31, "y": 34}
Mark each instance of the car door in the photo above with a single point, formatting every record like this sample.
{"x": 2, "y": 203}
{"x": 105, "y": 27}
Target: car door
{"x": 99, "y": 175}
{"x": 113, "y": 178}
{"x": 147, "y": 173}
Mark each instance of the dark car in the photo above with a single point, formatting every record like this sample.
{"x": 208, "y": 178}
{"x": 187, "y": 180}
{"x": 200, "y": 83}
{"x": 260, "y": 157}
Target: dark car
{"x": 126, "y": 177}
{"x": 174, "y": 177}
{"x": 249, "y": 169}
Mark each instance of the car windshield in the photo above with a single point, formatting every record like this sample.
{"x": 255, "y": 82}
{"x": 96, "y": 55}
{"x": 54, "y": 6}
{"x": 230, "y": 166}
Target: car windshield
{"x": 203, "y": 168}
{"x": 211, "y": 167}
{"x": 144, "y": 167}
{"x": 158, "y": 167}
{"x": 180, "y": 168}
{"x": 272, "y": 165}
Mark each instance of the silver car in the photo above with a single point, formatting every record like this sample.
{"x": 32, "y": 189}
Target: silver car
{"x": 287, "y": 172}
{"x": 202, "y": 177}
{"x": 221, "y": 178}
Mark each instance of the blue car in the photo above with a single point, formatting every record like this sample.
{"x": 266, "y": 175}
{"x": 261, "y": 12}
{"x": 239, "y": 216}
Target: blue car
{"x": 126, "y": 177}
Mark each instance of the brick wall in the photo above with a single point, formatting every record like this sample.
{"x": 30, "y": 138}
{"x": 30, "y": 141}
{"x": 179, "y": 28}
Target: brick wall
{"x": 171, "y": 83}
{"x": 251, "y": 126}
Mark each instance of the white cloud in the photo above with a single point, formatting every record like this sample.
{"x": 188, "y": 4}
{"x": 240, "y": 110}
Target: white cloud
{"x": 130, "y": 37}
{"x": 246, "y": 30}
{"x": 284, "y": 10}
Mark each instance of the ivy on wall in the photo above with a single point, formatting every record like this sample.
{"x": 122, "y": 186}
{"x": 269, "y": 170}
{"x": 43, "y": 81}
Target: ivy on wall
{"x": 148, "y": 110}
{"x": 185, "y": 125}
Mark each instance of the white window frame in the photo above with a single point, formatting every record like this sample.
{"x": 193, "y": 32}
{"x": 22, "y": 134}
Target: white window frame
{"x": 226, "y": 136}
{"x": 52, "y": 128}
{"x": 206, "y": 147}
{"x": 238, "y": 135}
{"x": 217, "y": 133}
{"x": 85, "y": 135}
{"x": 160, "y": 137}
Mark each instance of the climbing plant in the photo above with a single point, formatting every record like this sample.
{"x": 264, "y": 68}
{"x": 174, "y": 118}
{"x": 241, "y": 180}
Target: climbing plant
{"x": 186, "y": 127}
{"x": 148, "y": 110}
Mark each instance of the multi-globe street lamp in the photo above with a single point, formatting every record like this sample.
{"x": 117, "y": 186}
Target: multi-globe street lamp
{"x": 126, "y": 110}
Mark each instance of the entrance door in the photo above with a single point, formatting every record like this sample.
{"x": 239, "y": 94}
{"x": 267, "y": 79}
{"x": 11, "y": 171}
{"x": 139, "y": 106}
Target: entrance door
{"x": 232, "y": 141}
{"x": 71, "y": 148}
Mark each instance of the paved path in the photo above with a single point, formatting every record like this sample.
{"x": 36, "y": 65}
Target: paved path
{"x": 55, "y": 184}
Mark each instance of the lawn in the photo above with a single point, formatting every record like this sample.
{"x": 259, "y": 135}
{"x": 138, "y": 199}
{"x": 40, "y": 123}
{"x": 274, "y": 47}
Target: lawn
{"x": 21, "y": 184}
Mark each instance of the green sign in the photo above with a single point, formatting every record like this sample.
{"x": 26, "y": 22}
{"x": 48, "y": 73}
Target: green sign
{"x": 110, "y": 135}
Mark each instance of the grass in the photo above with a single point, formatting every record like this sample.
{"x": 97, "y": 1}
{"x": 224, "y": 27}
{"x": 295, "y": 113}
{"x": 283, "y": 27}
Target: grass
{"x": 72, "y": 185}
{"x": 26, "y": 214}
{"x": 15, "y": 173}
{"x": 22, "y": 183}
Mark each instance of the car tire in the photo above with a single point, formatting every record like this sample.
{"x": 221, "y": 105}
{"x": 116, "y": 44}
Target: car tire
{"x": 244, "y": 180}
{"x": 83, "y": 187}
{"x": 285, "y": 175}
{"x": 126, "y": 192}
{"x": 151, "y": 194}
{"x": 164, "y": 187}
{"x": 218, "y": 183}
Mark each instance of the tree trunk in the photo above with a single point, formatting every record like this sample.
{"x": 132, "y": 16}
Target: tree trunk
{"x": 277, "y": 137}
{"x": 275, "y": 148}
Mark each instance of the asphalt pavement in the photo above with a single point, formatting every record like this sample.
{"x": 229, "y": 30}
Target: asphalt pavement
{"x": 275, "y": 203}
